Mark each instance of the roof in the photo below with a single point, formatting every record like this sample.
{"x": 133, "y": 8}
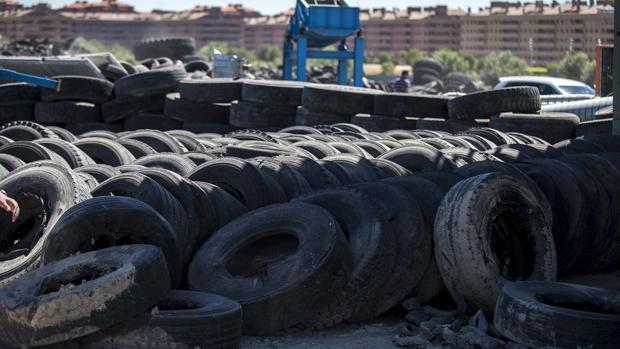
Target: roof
{"x": 543, "y": 79}
{"x": 545, "y": 10}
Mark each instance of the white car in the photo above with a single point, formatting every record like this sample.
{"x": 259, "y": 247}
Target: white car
{"x": 548, "y": 85}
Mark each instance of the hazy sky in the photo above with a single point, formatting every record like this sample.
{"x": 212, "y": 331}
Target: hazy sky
{"x": 272, "y": 6}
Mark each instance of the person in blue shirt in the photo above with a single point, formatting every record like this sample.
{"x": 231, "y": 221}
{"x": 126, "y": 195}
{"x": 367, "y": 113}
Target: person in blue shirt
{"x": 403, "y": 84}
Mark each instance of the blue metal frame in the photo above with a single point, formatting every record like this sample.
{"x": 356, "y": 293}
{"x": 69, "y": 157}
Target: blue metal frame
{"x": 11, "y": 75}
{"x": 314, "y": 27}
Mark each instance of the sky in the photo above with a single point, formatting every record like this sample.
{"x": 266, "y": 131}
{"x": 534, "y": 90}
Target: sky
{"x": 273, "y": 6}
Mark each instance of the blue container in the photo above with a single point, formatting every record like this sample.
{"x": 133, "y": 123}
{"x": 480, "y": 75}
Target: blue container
{"x": 324, "y": 25}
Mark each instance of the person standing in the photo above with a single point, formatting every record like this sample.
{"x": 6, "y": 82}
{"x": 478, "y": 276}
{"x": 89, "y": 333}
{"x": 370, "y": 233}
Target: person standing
{"x": 403, "y": 84}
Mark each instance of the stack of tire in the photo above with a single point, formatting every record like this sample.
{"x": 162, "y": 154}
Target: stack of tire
{"x": 428, "y": 71}
{"x": 174, "y": 48}
{"x": 17, "y": 101}
{"x": 333, "y": 104}
{"x": 75, "y": 104}
{"x": 140, "y": 98}
{"x": 267, "y": 104}
{"x": 402, "y": 111}
{"x": 204, "y": 105}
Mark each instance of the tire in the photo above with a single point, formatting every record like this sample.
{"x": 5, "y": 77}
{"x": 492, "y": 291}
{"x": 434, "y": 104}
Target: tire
{"x": 317, "y": 148}
{"x": 155, "y": 121}
{"x": 413, "y": 243}
{"x": 211, "y": 90}
{"x": 30, "y": 152}
{"x": 208, "y": 127}
{"x": 420, "y": 158}
{"x": 565, "y": 315}
{"x": 198, "y": 158}
{"x": 253, "y": 115}
{"x": 450, "y": 126}
{"x": 284, "y": 93}
{"x": 106, "y": 286}
{"x": 241, "y": 179}
{"x": 351, "y": 149}
{"x": 578, "y": 146}
{"x": 16, "y": 112}
{"x": 291, "y": 181}
{"x": 160, "y": 141}
{"x": 226, "y": 207}
{"x": 389, "y": 168}
{"x": 552, "y": 127}
{"x": 189, "y": 111}
{"x": 358, "y": 169}
{"x": 488, "y": 103}
{"x": 10, "y": 162}
{"x": 44, "y": 191}
{"x": 316, "y": 264}
{"x": 380, "y": 123}
{"x": 113, "y": 221}
{"x": 184, "y": 318}
{"x": 63, "y": 133}
{"x": 373, "y": 247}
{"x": 154, "y": 82}
{"x": 431, "y": 64}
{"x": 495, "y": 137}
{"x": 16, "y": 93}
{"x": 100, "y": 172}
{"x": 300, "y": 130}
{"x": 105, "y": 151}
{"x": 372, "y": 148}
{"x": 475, "y": 266}
{"x": 175, "y": 48}
{"x": 585, "y": 110}
{"x": 317, "y": 176}
{"x": 67, "y": 112}
{"x": 306, "y": 117}
{"x": 69, "y": 152}
{"x": 122, "y": 107}
{"x": 79, "y": 88}
{"x": 142, "y": 188}
{"x": 26, "y": 131}
{"x": 82, "y": 128}
{"x": 197, "y": 66}
{"x": 339, "y": 99}
{"x": 136, "y": 148}
{"x": 594, "y": 127}
{"x": 168, "y": 161}
{"x": 463, "y": 156}
{"x": 400, "y": 105}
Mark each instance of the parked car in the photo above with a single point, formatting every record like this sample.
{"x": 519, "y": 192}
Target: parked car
{"x": 547, "y": 85}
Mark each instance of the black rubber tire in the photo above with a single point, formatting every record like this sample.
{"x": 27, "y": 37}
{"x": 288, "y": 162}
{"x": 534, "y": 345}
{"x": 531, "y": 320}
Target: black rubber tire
{"x": 474, "y": 265}
{"x": 184, "y": 318}
{"x": 105, "y": 151}
{"x": 450, "y": 126}
{"x": 254, "y": 115}
{"x": 320, "y": 257}
{"x": 154, "y": 121}
{"x": 372, "y": 148}
{"x": 488, "y": 103}
{"x": 411, "y": 105}
{"x": 198, "y": 158}
{"x": 67, "y": 112}
{"x": 154, "y": 82}
{"x": 10, "y": 162}
{"x": 113, "y": 221}
{"x": 594, "y": 127}
{"x": 25, "y": 131}
{"x": 226, "y": 207}
{"x": 19, "y": 93}
{"x": 211, "y": 90}
{"x": 241, "y": 179}
{"x": 113, "y": 72}
{"x": 566, "y": 315}
{"x": 106, "y": 286}
{"x": 63, "y": 133}
{"x": 291, "y": 181}
{"x": 30, "y": 152}
{"x": 160, "y": 141}
{"x": 73, "y": 155}
{"x": 100, "y": 172}
{"x": 189, "y": 111}
{"x": 350, "y": 148}
{"x": 143, "y": 188}
{"x": 611, "y": 143}
{"x": 81, "y": 128}
{"x": 317, "y": 176}
{"x": 430, "y": 64}
{"x": 208, "y": 127}
{"x": 197, "y": 66}
{"x": 16, "y": 112}
{"x": 416, "y": 158}
{"x": 389, "y": 168}
{"x": 318, "y": 149}
{"x": 300, "y": 130}
{"x": 552, "y": 127}
{"x": 380, "y": 123}
{"x": 339, "y": 99}
{"x": 373, "y": 247}
{"x": 44, "y": 190}
{"x": 189, "y": 140}
{"x": 358, "y": 169}
{"x": 306, "y": 117}
{"x": 413, "y": 243}
{"x": 122, "y": 107}
{"x": 136, "y": 148}
{"x": 168, "y": 161}
{"x": 493, "y": 136}
{"x": 285, "y": 93}
{"x": 249, "y": 135}
{"x": 175, "y": 48}
{"x": 79, "y": 88}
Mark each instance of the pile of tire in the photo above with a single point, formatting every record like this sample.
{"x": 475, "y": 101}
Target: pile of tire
{"x": 174, "y": 48}
{"x": 400, "y": 214}
{"x": 430, "y": 74}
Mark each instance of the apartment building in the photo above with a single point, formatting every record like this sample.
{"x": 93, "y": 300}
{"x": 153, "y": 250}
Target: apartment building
{"x": 538, "y": 32}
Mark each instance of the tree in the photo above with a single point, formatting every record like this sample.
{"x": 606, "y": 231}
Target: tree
{"x": 410, "y": 56}
{"x": 271, "y": 54}
{"x": 577, "y": 66}
{"x": 452, "y": 61}
{"x": 497, "y": 64}
{"x": 82, "y": 45}
{"x": 387, "y": 62}
{"x": 224, "y": 48}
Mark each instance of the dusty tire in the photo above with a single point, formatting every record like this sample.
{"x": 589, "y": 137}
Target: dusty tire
{"x": 175, "y": 48}
{"x": 69, "y": 152}
{"x": 160, "y": 141}
{"x": 155, "y": 121}
{"x": 552, "y": 127}
{"x": 154, "y": 82}
{"x": 168, "y": 161}
{"x": 400, "y": 105}
{"x": 339, "y": 99}
{"x": 26, "y": 131}
{"x": 105, "y": 151}
{"x": 316, "y": 265}
{"x": 79, "y": 88}
{"x": 380, "y": 123}
{"x": 254, "y": 115}
{"x": 516, "y": 243}
{"x": 106, "y": 286}
{"x": 122, "y": 107}
{"x": 306, "y": 117}
{"x": 184, "y": 110}
{"x": 420, "y": 158}
{"x": 211, "y": 90}
{"x": 547, "y": 314}
{"x": 285, "y": 93}
{"x": 488, "y": 103}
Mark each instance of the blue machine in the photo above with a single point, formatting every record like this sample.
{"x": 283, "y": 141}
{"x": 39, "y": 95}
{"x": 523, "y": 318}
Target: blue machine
{"x": 11, "y": 75}
{"x": 318, "y": 24}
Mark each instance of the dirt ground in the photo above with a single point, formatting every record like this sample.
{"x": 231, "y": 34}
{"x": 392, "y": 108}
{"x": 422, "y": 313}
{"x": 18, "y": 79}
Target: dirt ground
{"x": 370, "y": 335}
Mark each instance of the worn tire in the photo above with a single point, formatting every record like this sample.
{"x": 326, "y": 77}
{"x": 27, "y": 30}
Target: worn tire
{"x": 105, "y": 151}
{"x": 79, "y": 88}
{"x": 339, "y": 99}
{"x": 261, "y": 115}
{"x": 552, "y": 127}
{"x": 400, "y": 105}
{"x": 488, "y": 103}
{"x": 211, "y": 90}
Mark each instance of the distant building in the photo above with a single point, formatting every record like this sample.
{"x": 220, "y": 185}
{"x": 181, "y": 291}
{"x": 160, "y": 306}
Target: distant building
{"x": 540, "y": 33}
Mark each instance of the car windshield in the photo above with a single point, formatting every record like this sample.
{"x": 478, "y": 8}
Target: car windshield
{"x": 578, "y": 90}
